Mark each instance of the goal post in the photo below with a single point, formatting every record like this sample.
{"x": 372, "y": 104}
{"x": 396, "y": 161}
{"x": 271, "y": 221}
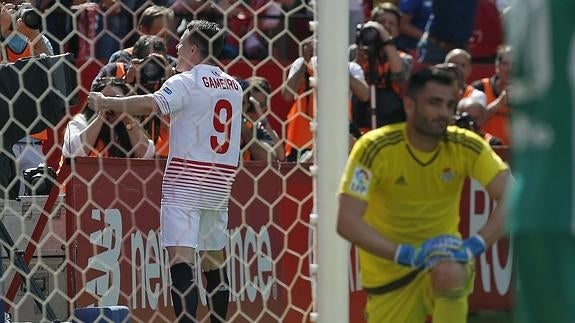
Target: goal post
{"x": 332, "y": 146}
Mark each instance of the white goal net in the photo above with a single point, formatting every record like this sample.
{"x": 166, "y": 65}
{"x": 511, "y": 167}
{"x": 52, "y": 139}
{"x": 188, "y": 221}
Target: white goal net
{"x": 93, "y": 240}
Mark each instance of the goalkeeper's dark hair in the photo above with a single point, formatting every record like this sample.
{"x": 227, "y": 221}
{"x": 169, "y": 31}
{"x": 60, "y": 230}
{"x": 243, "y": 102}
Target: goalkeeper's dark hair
{"x": 419, "y": 79}
{"x": 207, "y": 36}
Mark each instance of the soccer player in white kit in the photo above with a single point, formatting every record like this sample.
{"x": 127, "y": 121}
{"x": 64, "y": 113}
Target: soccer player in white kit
{"x": 205, "y": 108}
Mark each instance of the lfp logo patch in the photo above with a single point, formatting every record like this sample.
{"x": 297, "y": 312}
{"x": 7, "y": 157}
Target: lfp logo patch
{"x": 167, "y": 90}
{"x": 360, "y": 181}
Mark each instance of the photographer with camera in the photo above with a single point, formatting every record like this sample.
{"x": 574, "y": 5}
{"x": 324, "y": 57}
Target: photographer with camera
{"x": 386, "y": 68}
{"x": 20, "y": 30}
{"x": 470, "y": 115}
{"x": 146, "y": 71}
{"x": 20, "y": 34}
{"x": 105, "y": 133}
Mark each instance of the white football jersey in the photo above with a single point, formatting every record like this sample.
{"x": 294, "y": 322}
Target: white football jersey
{"x": 205, "y": 108}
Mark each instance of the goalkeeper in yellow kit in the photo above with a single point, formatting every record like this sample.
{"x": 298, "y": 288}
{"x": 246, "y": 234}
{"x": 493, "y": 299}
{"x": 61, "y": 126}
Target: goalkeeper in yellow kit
{"x": 399, "y": 203}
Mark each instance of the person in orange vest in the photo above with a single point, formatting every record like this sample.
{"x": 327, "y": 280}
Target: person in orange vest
{"x": 105, "y": 133}
{"x": 20, "y": 36}
{"x": 495, "y": 89}
{"x": 298, "y": 87}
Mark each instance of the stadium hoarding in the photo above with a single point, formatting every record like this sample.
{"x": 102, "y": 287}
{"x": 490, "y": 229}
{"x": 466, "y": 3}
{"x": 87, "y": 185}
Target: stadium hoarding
{"x": 115, "y": 255}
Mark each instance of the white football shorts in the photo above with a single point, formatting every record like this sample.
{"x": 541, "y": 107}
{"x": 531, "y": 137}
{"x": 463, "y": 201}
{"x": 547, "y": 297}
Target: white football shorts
{"x": 196, "y": 228}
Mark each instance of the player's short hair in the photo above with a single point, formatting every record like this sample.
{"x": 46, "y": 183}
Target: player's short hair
{"x": 207, "y": 36}
{"x": 420, "y": 78}
{"x": 152, "y": 12}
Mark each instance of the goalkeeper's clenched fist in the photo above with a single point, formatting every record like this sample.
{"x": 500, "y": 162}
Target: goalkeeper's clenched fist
{"x": 431, "y": 252}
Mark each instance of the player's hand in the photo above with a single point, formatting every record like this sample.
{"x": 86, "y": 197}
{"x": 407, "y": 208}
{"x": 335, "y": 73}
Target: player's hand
{"x": 95, "y": 101}
{"x": 431, "y": 252}
{"x": 472, "y": 247}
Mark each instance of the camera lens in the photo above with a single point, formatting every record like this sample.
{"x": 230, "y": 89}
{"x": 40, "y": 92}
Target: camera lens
{"x": 31, "y": 19}
{"x": 369, "y": 36}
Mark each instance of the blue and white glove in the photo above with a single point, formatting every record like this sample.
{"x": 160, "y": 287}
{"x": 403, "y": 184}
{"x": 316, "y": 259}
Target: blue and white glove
{"x": 431, "y": 252}
{"x": 407, "y": 255}
{"x": 472, "y": 247}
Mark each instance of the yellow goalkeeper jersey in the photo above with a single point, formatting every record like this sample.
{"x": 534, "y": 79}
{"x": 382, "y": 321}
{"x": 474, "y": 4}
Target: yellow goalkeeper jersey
{"x": 412, "y": 195}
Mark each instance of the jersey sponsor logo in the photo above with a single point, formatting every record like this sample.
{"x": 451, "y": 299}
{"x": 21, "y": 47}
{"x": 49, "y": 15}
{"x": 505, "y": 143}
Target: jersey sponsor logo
{"x": 168, "y": 90}
{"x": 400, "y": 181}
{"x": 360, "y": 181}
{"x": 447, "y": 175}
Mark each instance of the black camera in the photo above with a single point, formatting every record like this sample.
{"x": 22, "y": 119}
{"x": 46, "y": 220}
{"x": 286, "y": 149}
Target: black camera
{"x": 368, "y": 36}
{"x": 152, "y": 73}
{"x": 465, "y": 120}
{"x": 29, "y": 15}
{"x": 39, "y": 180}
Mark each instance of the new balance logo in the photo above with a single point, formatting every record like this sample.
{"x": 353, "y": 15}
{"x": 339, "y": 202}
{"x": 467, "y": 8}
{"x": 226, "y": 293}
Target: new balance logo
{"x": 401, "y": 181}
{"x": 107, "y": 284}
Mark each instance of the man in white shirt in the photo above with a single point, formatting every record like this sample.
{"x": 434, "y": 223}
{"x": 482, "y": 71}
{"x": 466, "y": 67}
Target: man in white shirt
{"x": 205, "y": 108}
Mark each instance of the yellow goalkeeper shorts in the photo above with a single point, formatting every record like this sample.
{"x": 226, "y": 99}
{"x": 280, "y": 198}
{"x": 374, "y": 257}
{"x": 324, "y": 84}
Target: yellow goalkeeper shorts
{"x": 411, "y": 303}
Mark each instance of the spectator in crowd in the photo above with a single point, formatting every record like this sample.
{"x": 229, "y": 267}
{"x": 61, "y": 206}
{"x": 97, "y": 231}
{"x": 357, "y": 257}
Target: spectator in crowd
{"x": 470, "y": 114}
{"x": 259, "y": 140}
{"x": 20, "y": 41}
{"x": 399, "y": 204}
{"x": 462, "y": 59}
{"x": 155, "y": 20}
{"x": 495, "y": 89}
{"x": 105, "y": 133}
{"x": 386, "y": 68}
{"x": 450, "y": 26}
{"x": 414, "y": 16}
{"x": 298, "y": 88}
{"x": 146, "y": 71}
{"x": 205, "y": 130}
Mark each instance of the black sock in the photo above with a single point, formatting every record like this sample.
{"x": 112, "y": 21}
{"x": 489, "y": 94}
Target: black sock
{"x": 184, "y": 292}
{"x": 218, "y": 290}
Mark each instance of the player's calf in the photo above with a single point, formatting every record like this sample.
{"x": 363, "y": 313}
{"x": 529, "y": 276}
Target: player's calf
{"x": 184, "y": 292}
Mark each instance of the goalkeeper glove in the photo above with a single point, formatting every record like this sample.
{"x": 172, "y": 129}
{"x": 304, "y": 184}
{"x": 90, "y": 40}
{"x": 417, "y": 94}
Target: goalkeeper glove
{"x": 472, "y": 247}
{"x": 432, "y": 251}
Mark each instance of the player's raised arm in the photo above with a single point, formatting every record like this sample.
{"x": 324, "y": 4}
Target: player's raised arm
{"x": 134, "y": 105}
